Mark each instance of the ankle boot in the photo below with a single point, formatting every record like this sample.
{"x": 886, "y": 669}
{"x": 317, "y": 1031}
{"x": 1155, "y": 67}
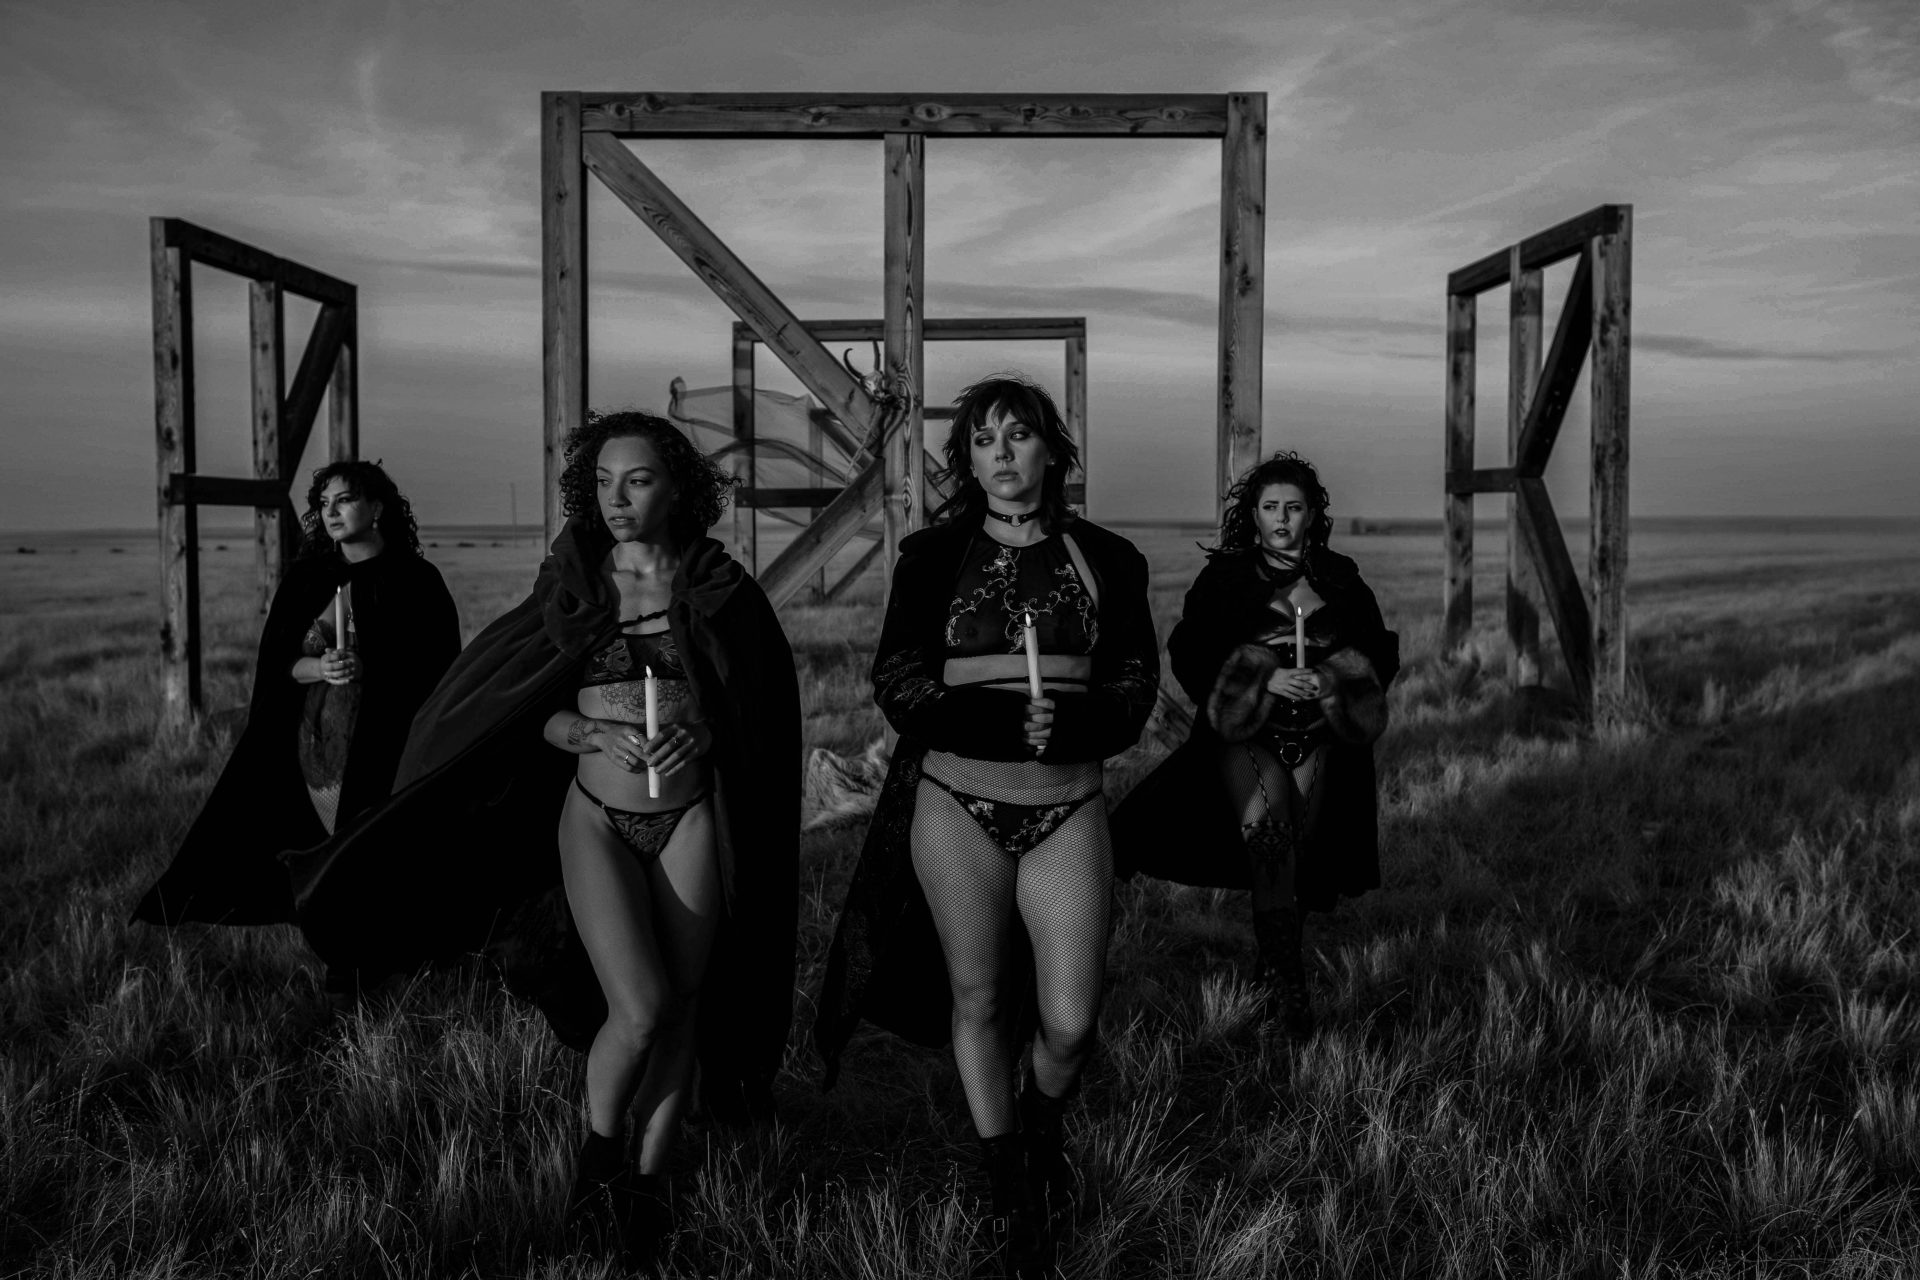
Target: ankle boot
{"x": 595, "y": 1205}
{"x": 1277, "y": 934}
{"x": 1012, "y": 1245}
{"x": 1050, "y": 1180}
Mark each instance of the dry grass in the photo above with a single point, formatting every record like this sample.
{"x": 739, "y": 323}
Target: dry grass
{"x": 1636, "y": 1002}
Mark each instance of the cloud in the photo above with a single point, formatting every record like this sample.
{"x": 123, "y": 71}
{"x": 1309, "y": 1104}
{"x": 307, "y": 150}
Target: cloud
{"x": 1686, "y": 347}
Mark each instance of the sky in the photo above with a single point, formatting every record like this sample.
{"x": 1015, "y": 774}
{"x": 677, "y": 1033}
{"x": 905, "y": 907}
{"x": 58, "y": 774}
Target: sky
{"x": 1770, "y": 151}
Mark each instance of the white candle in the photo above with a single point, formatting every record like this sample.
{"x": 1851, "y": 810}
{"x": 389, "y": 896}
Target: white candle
{"x": 1032, "y": 640}
{"x": 340, "y": 616}
{"x": 1300, "y": 636}
{"x": 653, "y": 730}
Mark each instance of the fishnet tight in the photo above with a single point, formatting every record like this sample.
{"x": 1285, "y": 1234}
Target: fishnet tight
{"x": 1063, "y": 889}
{"x": 1264, "y": 790}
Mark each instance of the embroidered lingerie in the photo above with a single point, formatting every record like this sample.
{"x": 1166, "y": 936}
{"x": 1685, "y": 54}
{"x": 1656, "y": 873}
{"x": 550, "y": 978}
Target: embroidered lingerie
{"x": 1016, "y": 828}
{"x": 1001, "y": 586}
{"x": 644, "y": 833}
{"x": 628, "y": 656}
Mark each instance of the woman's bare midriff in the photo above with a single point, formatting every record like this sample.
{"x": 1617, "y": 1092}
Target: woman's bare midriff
{"x": 625, "y": 702}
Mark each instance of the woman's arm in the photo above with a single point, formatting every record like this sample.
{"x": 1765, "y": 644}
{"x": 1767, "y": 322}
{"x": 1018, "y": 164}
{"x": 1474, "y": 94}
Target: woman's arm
{"x": 623, "y": 744}
{"x": 1110, "y": 716}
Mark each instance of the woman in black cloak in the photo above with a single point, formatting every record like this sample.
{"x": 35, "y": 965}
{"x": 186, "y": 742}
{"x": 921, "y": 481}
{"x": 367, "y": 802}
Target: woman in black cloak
{"x": 1283, "y": 651}
{"x": 980, "y": 903}
{"x": 327, "y": 718}
{"x": 652, "y": 918}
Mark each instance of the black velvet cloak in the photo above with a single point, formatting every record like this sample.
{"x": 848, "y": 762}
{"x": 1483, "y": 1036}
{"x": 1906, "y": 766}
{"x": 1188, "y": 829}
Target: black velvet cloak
{"x": 1177, "y": 824}
{"x": 464, "y": 858}
{"x": 226, "y": 870}
{"x": 885, "y": 964}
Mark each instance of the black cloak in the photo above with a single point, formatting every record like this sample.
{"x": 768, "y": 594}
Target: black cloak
{"x": 407, "y": 630}
{"x": 464, "y": 858}
{"x": 1177, "y": 824}
{"x": 886, "y": 965}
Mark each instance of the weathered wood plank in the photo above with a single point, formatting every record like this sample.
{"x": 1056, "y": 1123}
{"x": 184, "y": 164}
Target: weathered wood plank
{"x": 224, "y": 491}
{"x": 1480, "y": 480}
{"x": 274, "y": 535}
{"x": 174, "y": 452}
{"x": 830, "y": 530}
{"x": 1525, "y": 309}
{"x": 1458, "y": 510}
{"x": 1542, "y": 249}
{"x": 746, "y": 521}
{"x": 993, "y": 329}
{"x": 854, "y": 574}
{"x": 343, "y": 394}
{"x": 817, "y": 446}
{"x": 310, "y": 383}
{"x": 228, "y": 254}
{"x": 772, "y": 496}
{"x": 1075, "y": 408}
{"x": 874, "y": 115}
{"x": 1243, "y": 255}
{"x": 732, "y": 282}
{"x": 1612, "y": 255}
{"x": 1554, "y": 392}
{"x": 903, "y": 291}
{"x": 563, "y": 291}
{"x": 1566, "y": 604}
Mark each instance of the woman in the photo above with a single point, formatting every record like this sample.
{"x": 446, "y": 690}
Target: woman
{"x": 991, "y": 831}
{"x": 1283, "y": 651}
{"x": 328, "y": 718}
{"x": 671, "y": 927}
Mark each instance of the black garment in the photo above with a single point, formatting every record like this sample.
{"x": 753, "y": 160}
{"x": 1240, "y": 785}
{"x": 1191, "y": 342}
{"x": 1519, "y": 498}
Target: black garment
{"x": 1178, "y": 824}
{"x": 1000, "y": 587}
{"x": 226, "y": 870}
{"x": 886, "y": 965}
{"x": 465, "y": 856}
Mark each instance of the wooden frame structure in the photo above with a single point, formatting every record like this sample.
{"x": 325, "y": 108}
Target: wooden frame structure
{"x": 1069, "y": 331}
{"x": 583, "y": 132}
{"x": 283, "y": 417}
{"x": 1597, "y": 315}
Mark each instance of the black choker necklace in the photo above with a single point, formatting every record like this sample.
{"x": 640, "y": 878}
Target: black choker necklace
{"x": 1015, "y": 520}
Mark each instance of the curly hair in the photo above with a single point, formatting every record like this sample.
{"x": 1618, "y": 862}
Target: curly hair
{"x": 371, "y": 481}
{"x": 701, "y": 489}
{"x": 1008, "y": 395}
{"x": 1238, "y": 529}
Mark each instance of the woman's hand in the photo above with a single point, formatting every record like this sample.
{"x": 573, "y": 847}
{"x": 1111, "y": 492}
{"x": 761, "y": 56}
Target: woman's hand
{"x": 621, "y": 743}
{"x": 1039, "y": 726}
{"x": 677, "y": 745}
{"x": 340, "y": 666}
{"x": 1295, "y": 684}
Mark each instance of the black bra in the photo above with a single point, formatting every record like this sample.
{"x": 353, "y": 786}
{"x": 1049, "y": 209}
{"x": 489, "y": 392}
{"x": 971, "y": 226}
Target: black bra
{"x": 628, "y": 657}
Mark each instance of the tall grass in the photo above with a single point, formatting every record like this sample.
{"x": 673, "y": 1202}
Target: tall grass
{"x": 1638, "y": 1000}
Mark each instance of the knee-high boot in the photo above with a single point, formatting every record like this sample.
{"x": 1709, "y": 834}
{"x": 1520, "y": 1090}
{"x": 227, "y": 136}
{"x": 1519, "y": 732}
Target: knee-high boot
{"x": 1013, "y": 1243}
{"x": 1277, "y": 934}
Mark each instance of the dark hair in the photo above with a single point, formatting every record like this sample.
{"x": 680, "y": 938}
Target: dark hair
{"x": 700, "y": 488}
{"x": 370, "y": 481}
{"x": 1008, "y": 395}
{"x": 1237, "y": 529}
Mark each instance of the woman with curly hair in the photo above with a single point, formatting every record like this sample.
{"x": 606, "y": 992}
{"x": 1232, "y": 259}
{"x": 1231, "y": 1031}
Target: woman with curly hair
{"x": 1018, "y": 653}
{"x": 329, "y": 713}
{"x": 603, "y": 795}
{"x": 1283, "y": 651}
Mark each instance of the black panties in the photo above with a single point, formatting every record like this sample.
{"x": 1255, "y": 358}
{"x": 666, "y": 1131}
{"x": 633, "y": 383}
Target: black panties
{"x": 644, "y": 833}
{"x": 1017, "y": 828}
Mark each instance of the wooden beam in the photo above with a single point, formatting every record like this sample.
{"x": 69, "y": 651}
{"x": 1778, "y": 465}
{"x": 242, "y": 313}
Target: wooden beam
{"x": 732, "y": 282}
{"x": 563, "y": 290}
{"x": 1243, "y": 200}
{"x": 1555, "y": 244}
{"x": 274, "y": 535}
{"x": 1075, "y": 408}
{"x": 832, "y": 428}
{"x": 186, "y": 487}
{"x": 172, "y": 282}
{"x": 817, "y": 543}
{"x": 874, "y": 115}
{"x": 1548, "y": 408}
{"x": 746, "y": 521}
{"x": 343, "y": 394}
{"x": 903, "y": 289}
{"x": 1458, "y": 513}
{"x": 852, "y": 575}
{"x": 1612, "y": 256}
{"x": 1524, "y": 332}
{"x": 816, "y": 446}
{"x": 228, "y": 254}
{"x": 1540, "y": 531}
{"x": 318, "y": 360}
{"x": 771, "y": 497}
{"x": 1480, "y": 480}
{"x": 1036, "y": 328}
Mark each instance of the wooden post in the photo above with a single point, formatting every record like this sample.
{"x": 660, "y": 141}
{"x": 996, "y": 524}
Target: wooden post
{"x": 1526, "y": 332}
{"x": 1076, "y": 406}
{"x": 746, "y": 516}
{"x": 180, "y": 694}
{"x": 1458, "y": 603}
{"x": 904, "y": 287}
{"x": 1612, "y": 258}
{"x": 343, "y": 394}
{"x": 1243, "y": 252}
{"x": 273, "y": 527}
{"x": 563, "y": 309}
{"x": 816, "y": 445}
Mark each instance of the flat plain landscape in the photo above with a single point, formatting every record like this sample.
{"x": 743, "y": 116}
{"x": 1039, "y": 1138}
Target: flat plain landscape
{"x": 1638, "y": 999}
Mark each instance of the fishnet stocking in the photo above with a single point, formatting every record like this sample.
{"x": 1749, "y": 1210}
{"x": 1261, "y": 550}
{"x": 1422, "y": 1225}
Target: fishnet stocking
{"x": 1266, "y": 794}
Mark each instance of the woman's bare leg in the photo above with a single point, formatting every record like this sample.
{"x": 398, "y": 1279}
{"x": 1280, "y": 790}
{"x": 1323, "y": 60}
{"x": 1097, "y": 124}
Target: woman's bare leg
{"x": 687, "y": 904}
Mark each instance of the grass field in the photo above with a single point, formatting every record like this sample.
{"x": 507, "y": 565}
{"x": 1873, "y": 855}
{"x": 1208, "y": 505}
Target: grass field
{"x": 1637, "y": 1002}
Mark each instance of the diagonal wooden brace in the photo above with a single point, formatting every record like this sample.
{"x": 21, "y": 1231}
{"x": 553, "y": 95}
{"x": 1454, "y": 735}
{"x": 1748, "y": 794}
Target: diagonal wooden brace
{"x": 1571, "y": 337}
{"x": 1566, "y": 600}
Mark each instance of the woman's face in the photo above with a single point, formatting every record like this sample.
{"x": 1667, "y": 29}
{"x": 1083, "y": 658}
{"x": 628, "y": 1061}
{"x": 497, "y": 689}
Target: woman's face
{"x": 1009, "y": 459}
{"x": 346, "y": 514}
{"x": 1282, "y": 516}
{"x": 636, "y": 491}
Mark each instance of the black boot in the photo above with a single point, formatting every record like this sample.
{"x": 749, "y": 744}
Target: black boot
{"x": 605, "y": 1205}
{"x": 1281, "y": 970}
{"x": 1050, "y": 1180}
{"x": 1013, "y": 1243}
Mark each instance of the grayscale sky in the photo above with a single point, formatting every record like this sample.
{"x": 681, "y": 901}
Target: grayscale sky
{"x": 1771, "y": 152}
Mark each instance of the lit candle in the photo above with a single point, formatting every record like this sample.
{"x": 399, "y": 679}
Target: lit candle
{"x": 653, "y": 730}
{"x": 1032, "y": 640}
{"x": 340, "y": 616}
{"x": 1300, "y": 636}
